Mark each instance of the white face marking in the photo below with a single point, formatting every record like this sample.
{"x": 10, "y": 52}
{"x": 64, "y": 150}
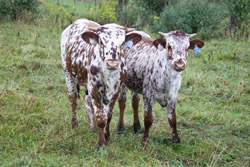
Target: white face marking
{"x": 112, "y": 37}
{"x": 179, "y": 43}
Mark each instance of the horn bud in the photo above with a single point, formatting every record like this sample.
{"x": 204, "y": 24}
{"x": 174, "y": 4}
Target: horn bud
{"x": 129, "y": 30}
{"x": 93, "y": 28}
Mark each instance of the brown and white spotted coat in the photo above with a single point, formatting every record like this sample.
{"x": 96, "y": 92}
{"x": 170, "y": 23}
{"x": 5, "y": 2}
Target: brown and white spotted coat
{"x": 154, "y": 70}
{"x": 92, "y": 56}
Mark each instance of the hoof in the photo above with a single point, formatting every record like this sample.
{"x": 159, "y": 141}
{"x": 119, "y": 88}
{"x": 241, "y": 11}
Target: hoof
{"x": 102, "y": 143}
{"x": 74, "y": 124}
{"x": 176, "y": 139}
{"x": 107, "y": 137}
{"x": 120, "y": 130}
{"x": 145, "y": 138}
{"x": 137, "y": 128}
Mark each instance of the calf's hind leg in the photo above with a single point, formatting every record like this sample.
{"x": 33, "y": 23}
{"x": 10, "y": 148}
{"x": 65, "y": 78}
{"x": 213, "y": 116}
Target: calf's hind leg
{"x": 73, "y": 94}
{"x": 122, "y": 105}
{"x": 90, "y": 111}
{"x": 135, "y": 106}
{"x": 148, "y": 115}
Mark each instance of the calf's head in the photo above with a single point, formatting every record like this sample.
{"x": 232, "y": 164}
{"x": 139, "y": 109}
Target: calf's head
{"x": 176, "y": 45}
{"x": 110, "y": 39}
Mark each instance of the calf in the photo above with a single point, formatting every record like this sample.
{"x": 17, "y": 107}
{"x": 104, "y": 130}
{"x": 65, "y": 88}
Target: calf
{"x": 92, "y": 56}
{"x": 154, "y": 70}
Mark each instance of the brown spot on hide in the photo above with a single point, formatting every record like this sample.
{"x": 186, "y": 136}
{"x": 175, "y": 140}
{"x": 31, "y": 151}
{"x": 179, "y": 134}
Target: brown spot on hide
{"x": 97, "y": 97}
{"x": 122, "y": 65}
{"x": 94, "y": 70}
{"x": 123, "y": 76}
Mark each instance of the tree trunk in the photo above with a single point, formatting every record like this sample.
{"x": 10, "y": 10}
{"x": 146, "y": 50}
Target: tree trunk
{"x": 120, "y": 4}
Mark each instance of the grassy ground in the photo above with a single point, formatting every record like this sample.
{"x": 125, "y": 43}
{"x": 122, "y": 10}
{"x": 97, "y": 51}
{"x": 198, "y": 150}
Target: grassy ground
{"x": 212, "y": 112}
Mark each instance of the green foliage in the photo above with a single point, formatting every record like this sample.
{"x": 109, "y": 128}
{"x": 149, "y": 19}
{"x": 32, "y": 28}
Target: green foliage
{"x": 190, "y": 16}
{"x": 134, "y": 16}
{"x": 239, "y": 10}
{"x": 61, "y": 16}
{"x": 239, "y": 17}
{"x": 153, "y": 5}
{"x": 105, "y": 13}
{"x": 17, "y": 8}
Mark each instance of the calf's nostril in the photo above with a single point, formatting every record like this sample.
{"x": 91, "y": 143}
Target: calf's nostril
{"x": 114, "y": 56}
{"x": 180, "y": 61}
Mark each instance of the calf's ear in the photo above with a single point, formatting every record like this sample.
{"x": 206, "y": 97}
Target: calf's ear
{"x": 134, "y": 36}
{"x": 197, "y": 42}
{"x": 159, "y": 44}
{"x": 90, "y": 37}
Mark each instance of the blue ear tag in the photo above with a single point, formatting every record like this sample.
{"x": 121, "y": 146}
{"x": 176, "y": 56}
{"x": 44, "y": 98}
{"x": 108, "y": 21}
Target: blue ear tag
{"x": 196, "y": 49}
{"x": 129, "y": 43}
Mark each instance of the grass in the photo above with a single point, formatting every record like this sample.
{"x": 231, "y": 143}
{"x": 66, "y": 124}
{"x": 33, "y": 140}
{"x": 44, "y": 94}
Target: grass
{"x": 212, "y": 111}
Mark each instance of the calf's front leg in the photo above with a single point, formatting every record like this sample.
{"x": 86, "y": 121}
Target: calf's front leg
{"x": 148, "y": 115}
{"x": 171, "y": 107}
{"x": 100, "y": 116}
{"x": 109, "y": 110}
{"x": 101, "y": 123}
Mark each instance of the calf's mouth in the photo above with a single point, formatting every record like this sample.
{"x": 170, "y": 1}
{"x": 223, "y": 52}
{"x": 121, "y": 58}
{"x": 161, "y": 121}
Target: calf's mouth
{"x": 179, "y": 66}
{"x": 112, "y": 64}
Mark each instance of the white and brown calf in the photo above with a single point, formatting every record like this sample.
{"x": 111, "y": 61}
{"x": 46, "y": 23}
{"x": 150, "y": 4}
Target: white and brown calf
{"x": 92, "y": 56}
{"x": 154, "y": 70}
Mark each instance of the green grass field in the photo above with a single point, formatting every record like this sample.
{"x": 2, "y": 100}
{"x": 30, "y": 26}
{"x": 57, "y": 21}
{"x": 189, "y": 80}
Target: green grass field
{"x": 213, "y": 110}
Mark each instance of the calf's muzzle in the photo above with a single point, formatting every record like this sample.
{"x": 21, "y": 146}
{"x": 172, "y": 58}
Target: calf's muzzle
{"x": 112, "y": 64}
{"x": 179, "y": 66}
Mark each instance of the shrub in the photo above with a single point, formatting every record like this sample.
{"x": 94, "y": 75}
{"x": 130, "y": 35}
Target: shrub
{"x": 105, "y": 13}
{"x": 239, "y": 16}
{"x": 60, "y": 15}
{"x": 156, "y": 6}
{"x": 17, "y": 8}
{"x": 191, "y": 17}
{"x": 134, "y": 16}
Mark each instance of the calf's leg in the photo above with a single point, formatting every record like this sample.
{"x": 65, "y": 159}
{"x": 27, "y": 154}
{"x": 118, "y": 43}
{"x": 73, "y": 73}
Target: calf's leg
{"x": 171, "y": 107}
{"x": 72, "y": 94}
{"x": 90, "y": 111}
{"x": 100, "y": 115}
{"x": 122, "y": 105}
{"x": 107, "y": 133}
{"x": 101, "y": 122}
{"x": 135, "y": 106}
{"x": 109, "y": 109}
{"x": 148, "y": 115}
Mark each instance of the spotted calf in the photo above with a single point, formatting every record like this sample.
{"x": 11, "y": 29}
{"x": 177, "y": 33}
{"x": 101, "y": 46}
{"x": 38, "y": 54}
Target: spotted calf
{"x": 92, "y": 56}
{"x": 154, "y": 70}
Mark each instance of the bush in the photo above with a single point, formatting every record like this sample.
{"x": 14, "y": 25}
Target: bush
{"x": 17, "y": 8}
{"x": 239, "y": 16}
{"x": 191, "y": 17}
{"x": 105, "y": 13}
{"x": 134, "y": 16}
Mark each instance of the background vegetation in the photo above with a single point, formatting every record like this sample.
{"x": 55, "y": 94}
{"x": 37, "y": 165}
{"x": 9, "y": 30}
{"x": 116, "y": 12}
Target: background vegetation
{"x": 213, "y": 103}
